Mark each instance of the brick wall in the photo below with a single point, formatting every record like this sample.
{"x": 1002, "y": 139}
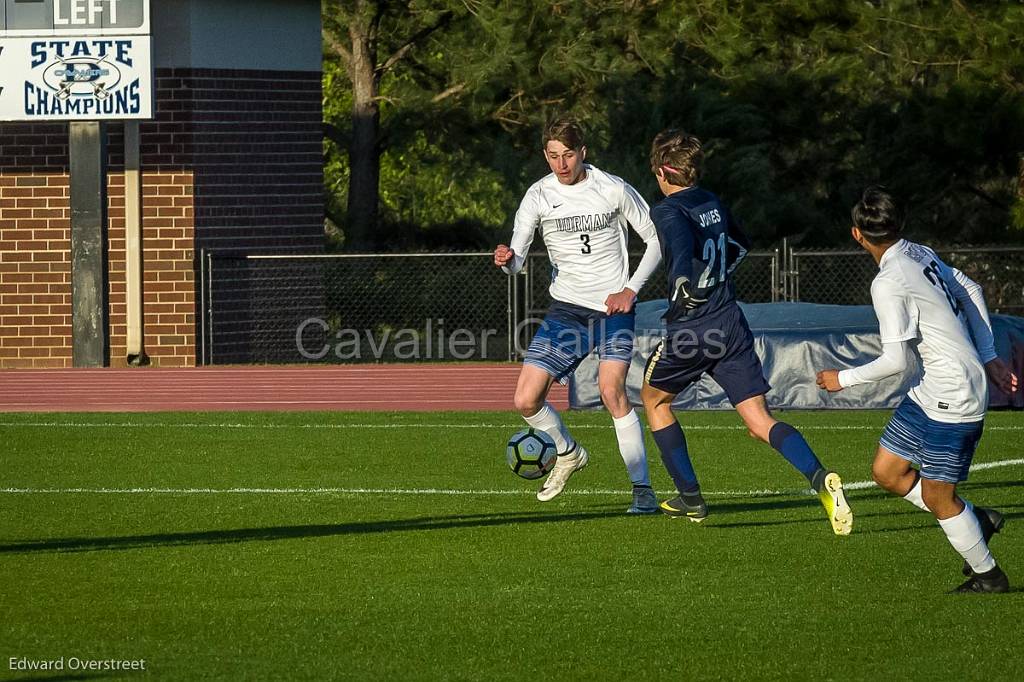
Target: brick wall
{"x": 255, "y": 143}
{"x": 35, "y": 260}
{"x": 232, "y": 162}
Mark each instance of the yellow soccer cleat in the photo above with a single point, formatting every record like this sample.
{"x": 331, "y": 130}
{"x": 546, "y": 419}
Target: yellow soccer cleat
{"x": 832, "y": 498}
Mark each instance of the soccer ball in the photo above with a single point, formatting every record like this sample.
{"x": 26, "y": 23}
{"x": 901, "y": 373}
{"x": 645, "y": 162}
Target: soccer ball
{"x": 530, "y": 454}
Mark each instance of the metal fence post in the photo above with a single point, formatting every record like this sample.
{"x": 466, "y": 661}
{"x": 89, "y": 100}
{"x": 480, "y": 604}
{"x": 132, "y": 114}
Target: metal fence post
{"x": 784, "y": 270}
{"x": 510, "y": 306}
{"x": 209, "y": 301}
{"x": 773, "y": 277}
{"x": 202, "y": 307}
{"x": 794, "y": 273}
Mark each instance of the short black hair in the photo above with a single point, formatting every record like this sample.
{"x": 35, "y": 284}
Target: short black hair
{"x": 878, "y": 216}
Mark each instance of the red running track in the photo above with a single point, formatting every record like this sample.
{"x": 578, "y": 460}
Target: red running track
{"x": 425, "y": 388}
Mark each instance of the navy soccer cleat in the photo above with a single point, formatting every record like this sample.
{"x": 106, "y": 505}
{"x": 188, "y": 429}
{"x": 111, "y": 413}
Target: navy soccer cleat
{"x": 692, "y": 507}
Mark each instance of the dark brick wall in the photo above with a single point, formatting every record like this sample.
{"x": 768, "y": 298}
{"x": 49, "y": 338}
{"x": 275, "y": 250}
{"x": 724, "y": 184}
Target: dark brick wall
{"x": 253, "y": 140}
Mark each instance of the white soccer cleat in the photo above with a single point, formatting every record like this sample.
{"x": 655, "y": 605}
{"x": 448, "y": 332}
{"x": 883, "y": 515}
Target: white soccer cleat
{"x": 565, "y": 466}
{"x": 834, "y": 501}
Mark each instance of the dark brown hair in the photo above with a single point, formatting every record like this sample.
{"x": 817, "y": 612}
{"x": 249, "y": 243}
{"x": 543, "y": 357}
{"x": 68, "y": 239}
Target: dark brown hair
{"x": 566, "y": 130}
{"x": 678, "y": 155}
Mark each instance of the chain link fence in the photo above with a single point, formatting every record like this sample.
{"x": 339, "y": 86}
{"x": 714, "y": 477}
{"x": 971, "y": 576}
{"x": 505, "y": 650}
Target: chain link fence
{"x": 458, "y": 306}
{"x": 754, "y": 280}
{"x": 843, "y": 277}
{"x": 354, "y": 308}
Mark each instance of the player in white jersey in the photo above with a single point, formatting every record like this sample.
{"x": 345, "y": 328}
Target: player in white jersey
{"x": 926, "y": 307}
{"x": 583, "y": 214}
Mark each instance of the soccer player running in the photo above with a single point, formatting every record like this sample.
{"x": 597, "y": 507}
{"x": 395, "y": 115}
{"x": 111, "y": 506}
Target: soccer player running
{"x": 937, "y": 312}
{"x": 706, "y": 332}
{"x": 582, "y": 213}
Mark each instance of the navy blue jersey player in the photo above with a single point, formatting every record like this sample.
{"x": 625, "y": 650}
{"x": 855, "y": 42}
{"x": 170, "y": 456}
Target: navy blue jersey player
{"x": 706, "y": 332}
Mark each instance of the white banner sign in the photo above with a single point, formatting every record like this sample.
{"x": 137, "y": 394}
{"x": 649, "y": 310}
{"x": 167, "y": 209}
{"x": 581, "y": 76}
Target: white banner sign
{"x": 70, "y": 78}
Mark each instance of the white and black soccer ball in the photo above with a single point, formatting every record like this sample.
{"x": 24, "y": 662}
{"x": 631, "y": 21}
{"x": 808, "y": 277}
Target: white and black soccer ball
{"x": 530, "y": 454}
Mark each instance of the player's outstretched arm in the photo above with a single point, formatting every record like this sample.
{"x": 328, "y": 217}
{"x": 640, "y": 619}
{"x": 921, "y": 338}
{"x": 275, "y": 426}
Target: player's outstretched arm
{"x": 893, "y": 360}
{"x": 512, "y": 258}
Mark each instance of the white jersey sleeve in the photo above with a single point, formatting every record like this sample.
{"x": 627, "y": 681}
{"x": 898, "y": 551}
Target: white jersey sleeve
{"x": 893, "y": 360}
{"x": 897, "y": 324}
{"x": 972, "y": 299}
{"x": 894, "y": 308}
{"x": 524, "y": 229}
{"x": 638, "y": 213}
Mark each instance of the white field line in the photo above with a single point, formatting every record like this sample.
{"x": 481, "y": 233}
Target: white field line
{"x": 422, "y": 425}
{"x": 856, "y": 485}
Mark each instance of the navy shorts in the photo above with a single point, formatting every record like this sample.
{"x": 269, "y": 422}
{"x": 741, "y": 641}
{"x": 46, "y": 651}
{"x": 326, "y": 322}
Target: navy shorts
{"x": 942, "y": 451}
{"x": 721, "y": 345}
{"x": 570, "y": 332}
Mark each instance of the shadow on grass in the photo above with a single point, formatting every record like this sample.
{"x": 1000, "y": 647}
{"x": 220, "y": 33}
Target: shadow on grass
{"x": 902, "y": 511}
{"x": 214, "y": 537}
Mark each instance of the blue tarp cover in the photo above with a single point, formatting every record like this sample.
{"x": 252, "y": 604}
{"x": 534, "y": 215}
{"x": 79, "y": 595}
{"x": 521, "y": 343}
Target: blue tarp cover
{"x": 794, "y": 341}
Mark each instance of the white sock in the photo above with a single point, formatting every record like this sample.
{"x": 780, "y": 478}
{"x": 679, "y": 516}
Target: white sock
{"x": 630, "y": 435}
{"x": 548, "y": 421}
{"x": 964, "y": 532}
{"x": 915, "y": 497}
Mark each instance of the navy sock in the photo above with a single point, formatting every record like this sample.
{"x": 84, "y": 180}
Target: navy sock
{"x": 795, "y": 449}
{"x": 675, "y": 457}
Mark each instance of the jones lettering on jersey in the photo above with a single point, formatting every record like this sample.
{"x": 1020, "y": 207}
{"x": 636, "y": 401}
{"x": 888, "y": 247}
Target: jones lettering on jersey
{"x": 710, "y": 218}
{"x": 581, "y": 223}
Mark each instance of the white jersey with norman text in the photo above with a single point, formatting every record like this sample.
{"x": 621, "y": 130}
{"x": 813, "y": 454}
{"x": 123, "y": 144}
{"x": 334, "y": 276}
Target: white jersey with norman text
{"x": 585, "y": 229}
{"x": 921, "y": 300}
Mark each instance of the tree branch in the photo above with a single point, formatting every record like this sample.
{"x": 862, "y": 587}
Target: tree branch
{"x": 441, "y": 22}
{"x": 448, "y": 92}
{"x": 910, "y": 25}
{"x": 916, "y": 62}
{"x": 336, "y": 46}
{"x": 985, "y": 196}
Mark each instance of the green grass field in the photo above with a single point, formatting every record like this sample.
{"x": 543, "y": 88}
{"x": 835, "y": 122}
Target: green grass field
{"x": 118, "y": 540}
